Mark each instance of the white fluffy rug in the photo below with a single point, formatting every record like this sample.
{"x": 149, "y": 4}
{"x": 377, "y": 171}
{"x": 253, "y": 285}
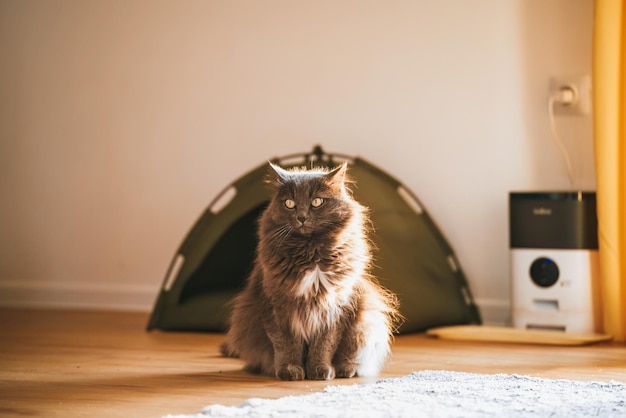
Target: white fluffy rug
{"x": 443, "y": 394}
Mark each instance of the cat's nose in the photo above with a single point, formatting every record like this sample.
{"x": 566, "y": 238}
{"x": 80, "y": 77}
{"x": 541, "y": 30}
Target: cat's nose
{"x": 302, "y": 218}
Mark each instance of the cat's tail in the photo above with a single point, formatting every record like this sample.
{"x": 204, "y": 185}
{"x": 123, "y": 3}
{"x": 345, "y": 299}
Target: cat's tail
{"x": 379, "y": 320}
{"x": 372, "y": 355}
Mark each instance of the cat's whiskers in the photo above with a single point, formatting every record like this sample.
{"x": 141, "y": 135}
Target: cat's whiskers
{"x": 281, "y": 233}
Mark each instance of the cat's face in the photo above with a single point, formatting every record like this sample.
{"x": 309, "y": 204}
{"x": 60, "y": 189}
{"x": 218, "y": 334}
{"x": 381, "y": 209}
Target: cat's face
{"x": 309, "y": 202}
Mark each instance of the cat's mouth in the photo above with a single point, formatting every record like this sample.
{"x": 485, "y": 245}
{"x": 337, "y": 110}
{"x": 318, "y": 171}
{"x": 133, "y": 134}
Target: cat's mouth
{"x": 303, "y": 228}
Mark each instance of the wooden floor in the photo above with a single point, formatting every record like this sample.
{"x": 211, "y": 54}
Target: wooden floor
{"x": 97, "y": 364}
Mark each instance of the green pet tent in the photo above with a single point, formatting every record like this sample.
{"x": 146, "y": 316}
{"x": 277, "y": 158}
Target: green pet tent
{"x": 412, "y": 259}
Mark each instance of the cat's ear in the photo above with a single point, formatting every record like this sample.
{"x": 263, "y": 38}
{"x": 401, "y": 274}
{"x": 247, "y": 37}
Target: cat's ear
{"x": 337, "y": 176}
{"x": 278, "y": 175}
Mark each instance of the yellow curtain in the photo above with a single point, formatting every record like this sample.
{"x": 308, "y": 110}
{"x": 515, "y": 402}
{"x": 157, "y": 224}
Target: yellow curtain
{"x": 609, "y": 102}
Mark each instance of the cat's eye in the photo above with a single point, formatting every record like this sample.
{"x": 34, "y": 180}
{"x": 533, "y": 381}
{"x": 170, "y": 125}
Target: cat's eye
{"x": 317, "y": 202}
{"x": 290, "y": 204}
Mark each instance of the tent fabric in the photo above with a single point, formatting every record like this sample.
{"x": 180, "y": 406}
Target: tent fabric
{"x": 412, "y": 257}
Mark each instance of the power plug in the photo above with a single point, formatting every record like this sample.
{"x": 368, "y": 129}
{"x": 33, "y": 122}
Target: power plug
{"x": 566, "y": 96}
{"x": 571, "y": 95}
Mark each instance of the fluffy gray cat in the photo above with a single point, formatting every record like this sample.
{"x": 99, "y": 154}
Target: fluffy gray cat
{"x": 309, "y": 308}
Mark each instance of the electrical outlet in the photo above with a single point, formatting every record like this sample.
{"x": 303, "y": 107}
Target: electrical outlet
{"x": 581, "y": 86}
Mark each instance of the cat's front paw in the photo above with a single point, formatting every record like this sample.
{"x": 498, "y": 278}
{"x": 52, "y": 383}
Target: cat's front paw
{"x": 290, "y": 372}
{"x": 321, "y": 372}
{"x": 346, "y": 372}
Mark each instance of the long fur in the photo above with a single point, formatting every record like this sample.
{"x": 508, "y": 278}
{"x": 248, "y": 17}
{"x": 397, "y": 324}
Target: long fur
{"x": 310, "y": 308}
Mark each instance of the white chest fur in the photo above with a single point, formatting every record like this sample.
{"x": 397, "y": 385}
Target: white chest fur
{"x": 328, "y": 305}
{"x": 312, "y": 282}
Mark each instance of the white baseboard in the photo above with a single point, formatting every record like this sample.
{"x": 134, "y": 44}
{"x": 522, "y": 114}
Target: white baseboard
{"x": 69, "y": 295}
{"x": 495, "y": 311}
{"x": 65, "y": 295}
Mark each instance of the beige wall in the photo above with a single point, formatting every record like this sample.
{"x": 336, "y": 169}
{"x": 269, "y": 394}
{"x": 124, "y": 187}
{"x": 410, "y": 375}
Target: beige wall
{"x": 121, "y": 120}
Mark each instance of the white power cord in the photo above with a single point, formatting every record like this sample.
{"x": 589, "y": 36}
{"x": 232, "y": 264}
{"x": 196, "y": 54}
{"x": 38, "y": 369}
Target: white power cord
{"x": 565, "y": 96}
